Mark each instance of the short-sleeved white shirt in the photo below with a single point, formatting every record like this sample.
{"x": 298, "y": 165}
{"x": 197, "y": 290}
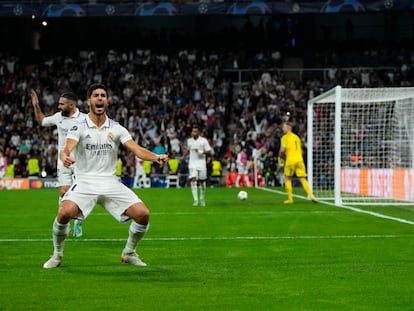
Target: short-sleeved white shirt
{"x": 96, "y": 154}
{"x": 63, "y": 124}
{"x": 96, "y": 157}
{"x": 197, "y": 158}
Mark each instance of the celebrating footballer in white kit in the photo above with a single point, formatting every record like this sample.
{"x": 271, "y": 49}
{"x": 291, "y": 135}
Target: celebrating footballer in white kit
{"x": 95, "y": 143}
{"x": 65, "y": 119}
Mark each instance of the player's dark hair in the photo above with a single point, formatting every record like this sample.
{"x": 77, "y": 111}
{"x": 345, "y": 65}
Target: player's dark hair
{"x": 70, "y": 96}
{"x": 94, "y": 87}
{"x": 196, "y": 126}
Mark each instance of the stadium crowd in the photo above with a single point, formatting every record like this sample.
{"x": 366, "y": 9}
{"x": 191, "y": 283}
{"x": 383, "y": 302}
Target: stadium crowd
{"x": 158, "y": 96}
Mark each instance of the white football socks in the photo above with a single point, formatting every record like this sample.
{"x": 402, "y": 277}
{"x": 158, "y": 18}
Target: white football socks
{"x": 59, "y": 234}
{"x": 136, "y": 233}
{"x": 194, "y": 190}
{"x": 202, "y": 190}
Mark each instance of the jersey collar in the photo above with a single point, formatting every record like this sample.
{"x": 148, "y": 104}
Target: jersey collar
{"x": 74, "y": 116}
{"x": 91, "y": 124}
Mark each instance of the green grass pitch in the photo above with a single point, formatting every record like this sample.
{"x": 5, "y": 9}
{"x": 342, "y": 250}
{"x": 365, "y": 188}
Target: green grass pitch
{"x": 231, "y": 255}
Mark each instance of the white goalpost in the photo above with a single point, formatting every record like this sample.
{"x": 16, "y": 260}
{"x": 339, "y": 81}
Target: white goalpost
{"x": 361, "y": 146}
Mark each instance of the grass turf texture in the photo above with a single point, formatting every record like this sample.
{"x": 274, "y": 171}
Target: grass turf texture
{"x": 257, "y": 254}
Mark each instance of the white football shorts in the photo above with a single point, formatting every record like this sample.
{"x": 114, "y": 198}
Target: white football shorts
{"x": 242, "y": 170}
{"x": 64, "y": 175}
{"x": 111, "y": 194}
{"x": 199, "y": 174}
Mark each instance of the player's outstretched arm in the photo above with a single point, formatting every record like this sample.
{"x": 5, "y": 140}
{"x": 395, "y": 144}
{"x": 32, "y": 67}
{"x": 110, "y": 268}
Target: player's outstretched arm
{"x": 36, "y": 107}
{"x": 145, "y": 154}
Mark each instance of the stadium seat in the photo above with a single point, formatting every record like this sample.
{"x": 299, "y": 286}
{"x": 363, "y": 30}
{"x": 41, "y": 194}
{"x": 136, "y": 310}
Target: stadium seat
{"x": 173, "y": 178}
{"x": 216, "y": 173}
{"x": 144, "y": 180}
{"x": 9, "y": 171}
{"x": 147, "y": 165}
{"x": 33, "y": 166}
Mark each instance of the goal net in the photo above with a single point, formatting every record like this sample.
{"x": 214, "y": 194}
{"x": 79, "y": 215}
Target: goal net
{"x": 361, "y": 146}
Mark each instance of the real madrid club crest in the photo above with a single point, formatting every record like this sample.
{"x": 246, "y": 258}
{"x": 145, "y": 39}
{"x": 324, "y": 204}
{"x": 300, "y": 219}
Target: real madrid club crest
{"x": 110, "y": 136}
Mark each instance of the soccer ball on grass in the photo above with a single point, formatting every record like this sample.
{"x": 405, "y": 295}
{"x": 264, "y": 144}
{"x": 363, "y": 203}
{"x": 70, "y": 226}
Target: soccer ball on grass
{"x": 242, "y": 195}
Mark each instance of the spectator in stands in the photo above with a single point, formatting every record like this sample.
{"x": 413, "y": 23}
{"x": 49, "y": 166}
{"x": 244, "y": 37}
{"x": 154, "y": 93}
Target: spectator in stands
{"x": 175, "y": 144}
{"x": 20, "y": 170}
{"x": 45, "y": 168}
{"x": 3, "y": 164}
{"x": 270, "y": 168}
{"x": 242, "y": 168}
{"x": 158, "y": 149}
{"x": 232, "y": 176}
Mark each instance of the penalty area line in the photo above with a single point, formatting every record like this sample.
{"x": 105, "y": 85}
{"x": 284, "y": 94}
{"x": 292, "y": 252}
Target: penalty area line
{"x": 358, "y": 210}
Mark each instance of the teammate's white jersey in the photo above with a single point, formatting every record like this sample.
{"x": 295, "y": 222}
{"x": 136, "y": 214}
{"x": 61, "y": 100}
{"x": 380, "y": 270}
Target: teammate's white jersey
{"x": 197, "y": 158}
{"x": 96, "y": 154}
{"x": 63, "y": 124}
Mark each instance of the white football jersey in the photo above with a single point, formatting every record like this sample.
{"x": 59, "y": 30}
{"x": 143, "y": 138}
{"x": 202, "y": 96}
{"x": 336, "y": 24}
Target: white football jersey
{"x": 63, "y": 124}
{"x": 96, "y": 154}
{"x": 197, "y": 159}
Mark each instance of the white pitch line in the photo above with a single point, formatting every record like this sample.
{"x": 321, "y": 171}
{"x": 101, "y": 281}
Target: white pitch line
{"x": 237, "y": 238}
{"x": 215, "y": 213}
{"x": 358, "y": 210}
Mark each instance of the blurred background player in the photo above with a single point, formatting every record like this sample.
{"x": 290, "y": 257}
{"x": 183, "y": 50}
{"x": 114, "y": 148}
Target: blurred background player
{"x": 65, "y": 119}
{"x": 198, "y": 148}
{"x": 291, "y": 152}
{"x": 242, "y": 168}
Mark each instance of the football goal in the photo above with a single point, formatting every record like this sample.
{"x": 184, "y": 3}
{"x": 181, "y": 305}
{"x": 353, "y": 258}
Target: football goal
{"x": 361, "y": 146}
